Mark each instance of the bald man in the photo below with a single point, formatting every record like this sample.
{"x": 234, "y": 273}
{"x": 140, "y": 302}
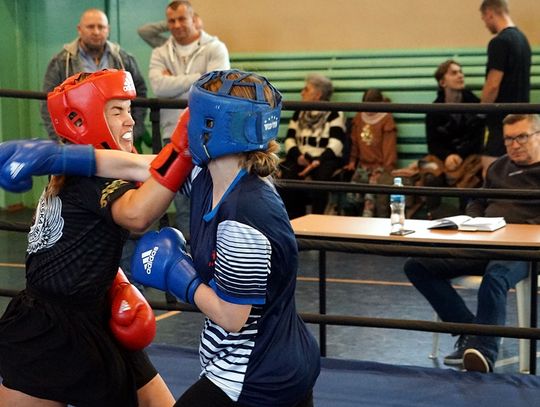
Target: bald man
{"x": 89, "y": 52}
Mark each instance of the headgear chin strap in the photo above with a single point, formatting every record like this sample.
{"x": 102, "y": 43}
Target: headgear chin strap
{"x": 77, "y": 106}
{"x": 222, "y": 124}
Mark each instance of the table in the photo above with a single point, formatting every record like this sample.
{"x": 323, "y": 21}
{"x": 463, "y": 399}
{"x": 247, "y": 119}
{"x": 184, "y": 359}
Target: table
{"x": 372, "y": 235}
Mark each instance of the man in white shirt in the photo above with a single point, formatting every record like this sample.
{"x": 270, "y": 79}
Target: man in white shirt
{"x": 176, "y": 65}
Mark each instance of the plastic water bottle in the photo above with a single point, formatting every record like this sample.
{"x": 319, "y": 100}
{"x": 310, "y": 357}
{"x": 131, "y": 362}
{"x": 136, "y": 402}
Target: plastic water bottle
{"x": 397, "y": 209}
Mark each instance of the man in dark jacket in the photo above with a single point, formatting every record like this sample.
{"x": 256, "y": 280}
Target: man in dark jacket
{"x": 90, "y": 52}
{"x": 453, "y": 140}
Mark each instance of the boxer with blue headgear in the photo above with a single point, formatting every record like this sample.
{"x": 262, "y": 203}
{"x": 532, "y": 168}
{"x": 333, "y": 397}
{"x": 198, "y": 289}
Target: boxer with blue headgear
{"x": 242, "y": 259}
{"x": 223, "y": 123}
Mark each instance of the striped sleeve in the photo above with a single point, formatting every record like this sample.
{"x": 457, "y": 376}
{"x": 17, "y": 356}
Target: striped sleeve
{"x": 336, "y": 122}
{"x": 242, "y": 263}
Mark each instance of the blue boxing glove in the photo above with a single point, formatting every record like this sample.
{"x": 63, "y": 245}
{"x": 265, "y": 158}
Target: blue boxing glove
{"x": 161, "y": 261}
{"x": 21, "y": 159}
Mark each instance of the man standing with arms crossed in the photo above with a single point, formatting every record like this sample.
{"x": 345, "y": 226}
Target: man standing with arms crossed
{"x": 176, "y": 65}
{"x": 508, "y": 71}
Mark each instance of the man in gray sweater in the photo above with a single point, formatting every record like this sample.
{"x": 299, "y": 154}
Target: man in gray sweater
{"x": 188, "y": 53}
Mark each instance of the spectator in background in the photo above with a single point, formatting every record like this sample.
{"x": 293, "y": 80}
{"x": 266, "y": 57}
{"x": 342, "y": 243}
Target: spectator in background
{"x": 454, "y": 141}
{"x": 174, "y": 66}
{"x": 313, "y": 147}
{"x": 373, "y": 154}
{"x": 508, "y": 71}
{"x": 154, "y": 34}
{"x": 187, "y": 54}
{"x": 518, "y": 169}
{"x": 90, "y": 52}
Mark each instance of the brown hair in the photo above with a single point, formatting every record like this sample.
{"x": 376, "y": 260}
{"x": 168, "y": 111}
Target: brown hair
{"x": 498, "y": 6}
{"x": 374, "y": 95}
{"x": 443, "y": 68}
{"x": 55, "y": 185}
{"x": 173, "y": 5}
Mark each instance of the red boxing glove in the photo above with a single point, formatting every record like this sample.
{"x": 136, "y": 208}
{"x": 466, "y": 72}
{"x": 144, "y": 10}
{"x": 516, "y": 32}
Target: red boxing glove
{"x": 173, "y": 164}
{"x": 132, "y": 322}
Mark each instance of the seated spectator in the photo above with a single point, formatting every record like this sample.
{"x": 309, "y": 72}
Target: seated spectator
{"x": 373, "y": 157}
{"x": 520, "y": 169}
{"x": 313, "y": 147}
{"x": 454, "y": 141}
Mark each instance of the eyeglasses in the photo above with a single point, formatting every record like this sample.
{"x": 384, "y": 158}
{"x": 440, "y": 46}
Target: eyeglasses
{"x": 520, "y": 138}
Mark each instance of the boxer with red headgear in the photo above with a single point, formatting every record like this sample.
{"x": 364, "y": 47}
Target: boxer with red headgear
{"x": 80, "y": 108}
{"x": 244, "y": 256}
{"x": 59, "y": 339}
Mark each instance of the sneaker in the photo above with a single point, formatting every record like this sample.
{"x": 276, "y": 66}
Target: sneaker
{"x": 475, "y": 361}
{"x": 456, "y": 357}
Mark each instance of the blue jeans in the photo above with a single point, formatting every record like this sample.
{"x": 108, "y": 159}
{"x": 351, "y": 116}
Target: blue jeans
{"x": 432, "y": 278}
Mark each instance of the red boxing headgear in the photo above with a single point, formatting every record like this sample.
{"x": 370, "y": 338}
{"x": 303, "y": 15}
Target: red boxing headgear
{"x": 77, "y": 106}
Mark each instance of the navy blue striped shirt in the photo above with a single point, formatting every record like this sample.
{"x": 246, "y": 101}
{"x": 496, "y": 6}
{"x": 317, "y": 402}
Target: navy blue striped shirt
{"x": 246, "y": 251}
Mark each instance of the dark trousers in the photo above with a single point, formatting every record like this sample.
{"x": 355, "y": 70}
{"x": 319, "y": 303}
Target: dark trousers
{"x": 296, "y": 200}
{"x": 204, "y": 393}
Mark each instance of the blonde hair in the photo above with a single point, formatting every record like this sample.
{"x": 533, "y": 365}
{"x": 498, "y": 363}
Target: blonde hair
{"x": 262, "y": 163}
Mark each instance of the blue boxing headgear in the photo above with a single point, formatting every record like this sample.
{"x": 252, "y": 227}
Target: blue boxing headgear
{"x": 222, "y": 124}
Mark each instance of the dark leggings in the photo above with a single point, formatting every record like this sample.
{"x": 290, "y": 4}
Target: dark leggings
{"x": 204, "y": 393}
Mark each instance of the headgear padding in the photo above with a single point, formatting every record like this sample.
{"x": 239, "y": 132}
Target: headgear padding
{"x": 77, "y": 106}
{"x": 221, "y": 123}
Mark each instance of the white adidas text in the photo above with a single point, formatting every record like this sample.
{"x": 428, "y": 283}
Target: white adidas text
{"x": 148, "y": 259}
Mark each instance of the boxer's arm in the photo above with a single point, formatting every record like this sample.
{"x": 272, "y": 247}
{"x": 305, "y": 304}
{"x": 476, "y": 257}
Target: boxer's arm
{"x": 123, "y": 165}
{"x": 136, "y": 210}
{"x": 160, "y": 260}
{"x": 139, "y": 208}
{"x": 229, "y": 316}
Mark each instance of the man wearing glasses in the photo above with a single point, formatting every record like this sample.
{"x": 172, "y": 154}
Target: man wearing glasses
{"x": 519, "y": 168}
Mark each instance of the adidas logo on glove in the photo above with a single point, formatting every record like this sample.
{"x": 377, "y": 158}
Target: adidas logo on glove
{"x": 14, "y": 168}
{"x": 148, "y": 259}
{"x": 124, "y": 306}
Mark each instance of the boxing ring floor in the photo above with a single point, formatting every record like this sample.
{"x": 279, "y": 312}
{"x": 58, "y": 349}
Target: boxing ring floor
{"x": 365, "y": 366}
{"x": 347, "y": 383}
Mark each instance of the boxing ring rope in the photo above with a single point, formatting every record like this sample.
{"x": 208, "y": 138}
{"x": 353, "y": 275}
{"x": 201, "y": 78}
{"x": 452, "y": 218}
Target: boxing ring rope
{"x": 368, "y": 322}
{"x": 156, "y": 104}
